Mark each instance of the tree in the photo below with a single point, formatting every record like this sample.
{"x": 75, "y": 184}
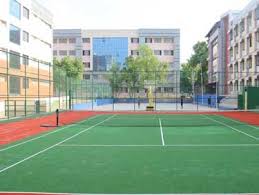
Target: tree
{"x": 137, "y": 72}
{"x": 195, "y": 68}
{"x": 73, "y": 67}
{"x": 200, "y": 58}
{"x": 115, "y": 79}
{"x": 144, "y": 69}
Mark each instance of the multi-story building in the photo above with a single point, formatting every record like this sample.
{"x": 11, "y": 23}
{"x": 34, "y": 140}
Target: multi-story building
{"x": 243, "y": 40}
{"x": 240, "y": 46}
{"x": 98, "y": 49}
{"x": 218, "y": 53}
{"x": 25, "y": 51}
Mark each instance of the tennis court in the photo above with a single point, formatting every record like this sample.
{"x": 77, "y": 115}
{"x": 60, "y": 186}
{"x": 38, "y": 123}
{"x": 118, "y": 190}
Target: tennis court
{"x": 136, "y": 154}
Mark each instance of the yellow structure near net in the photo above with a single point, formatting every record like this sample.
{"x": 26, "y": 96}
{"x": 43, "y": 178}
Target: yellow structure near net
{"x": 150, "y": 106}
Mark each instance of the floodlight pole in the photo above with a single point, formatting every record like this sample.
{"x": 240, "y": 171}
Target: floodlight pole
{"x": 217, "y": 106}
{"x": 202, "y": 90}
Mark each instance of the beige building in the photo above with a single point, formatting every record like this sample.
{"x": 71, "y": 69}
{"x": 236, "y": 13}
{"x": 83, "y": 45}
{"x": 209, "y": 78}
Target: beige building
{"x": 99, "y": 48}
{"x": 25, "y": 56}
{"x": 243, "y": 47}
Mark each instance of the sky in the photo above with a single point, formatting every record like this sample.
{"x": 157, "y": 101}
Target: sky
{"x": 193, "y": 17}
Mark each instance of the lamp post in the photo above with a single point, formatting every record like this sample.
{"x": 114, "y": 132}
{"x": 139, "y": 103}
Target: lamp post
{"x": 202, "y": 90}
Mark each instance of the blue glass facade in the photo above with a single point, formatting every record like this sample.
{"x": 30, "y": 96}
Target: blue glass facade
{"x": 15, "y": 9}
{"x": 109, "y": 50}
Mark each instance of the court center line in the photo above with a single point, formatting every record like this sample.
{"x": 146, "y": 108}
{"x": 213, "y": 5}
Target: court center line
{"x": 46, "y": 149}
{"x": 239, "y": 122}
{"x": 251, "y": 136}
{"x": 176, "y": 145}
{"x": 44, "y": 135}
{"x": 161, "y": 132}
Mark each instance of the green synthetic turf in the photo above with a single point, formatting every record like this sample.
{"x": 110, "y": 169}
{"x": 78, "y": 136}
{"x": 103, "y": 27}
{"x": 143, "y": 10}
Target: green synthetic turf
{"x": 136, "y": 161}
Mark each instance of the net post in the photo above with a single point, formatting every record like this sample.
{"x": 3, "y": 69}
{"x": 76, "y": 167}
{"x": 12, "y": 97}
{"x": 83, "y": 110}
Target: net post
{"x": 57, "y": 117}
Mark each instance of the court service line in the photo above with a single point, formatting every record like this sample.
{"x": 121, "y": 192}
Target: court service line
{"x": 230, "y": 127}
{"x": 44, "y": 135}
{"x": 161, "y": 132}
{"x": 46, "y": 149}
{"x": 177, "y": 145}
{"x": 242, "y": 123}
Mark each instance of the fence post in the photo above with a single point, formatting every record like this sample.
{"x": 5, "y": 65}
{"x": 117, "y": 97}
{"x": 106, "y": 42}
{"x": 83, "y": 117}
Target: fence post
{"x": 7, "y": 83}
{"x": 50, "y": 87}
{"x": 39, "y": 84}
{"x": 92, "y": 91}
{"x": 14, "y": 108}
{"x": 25, "y": 87}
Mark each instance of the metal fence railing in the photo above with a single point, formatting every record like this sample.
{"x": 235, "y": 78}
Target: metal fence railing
{"x": 29, "y": 86}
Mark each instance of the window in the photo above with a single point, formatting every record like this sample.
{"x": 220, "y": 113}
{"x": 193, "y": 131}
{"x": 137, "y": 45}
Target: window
{"x": 25, "y": 36}
{"x": 14, "y": 60}
{"x": 25, "y": 83}
{"x": 242, "y": 26}
{"x": 63, "y": 53}
{"x": 55, "y": 40}
{"x": 15, "y": 9}
{"x": 86, "y": 40}
{"x": 148, "y": 40}
{"x": 168, "y": 40}
{"x": 158, "y": 52}
{"x": 25, "y": 60}
{"x": 72, "y": 52}
{"x": 242, "y": 64}
{"x": 14, "y": 85}
{"x": 63, "y": 40}
{"x": 15, "y": 34}
{"x": 72, "y": 40}
{"x": 231, "y": 35}
{"x": 86, "y": 76}
{"x": 168, "y": 52}
{"x": 86, "y": 53}
{"x": 157, "y": 40}
{"x": 87, "y": 64}
{"x": 26, "y": 13}
{"x": 249, "y": 40}
{"x": 134, "y": 52}
{"x": 134, "y": 40}
{"x": 55, "y": 52}
{"x": 257, "y": 12}
{"x": 257, "y": 60}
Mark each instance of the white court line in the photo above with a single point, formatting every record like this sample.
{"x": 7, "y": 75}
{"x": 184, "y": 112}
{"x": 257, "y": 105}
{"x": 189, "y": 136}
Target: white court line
{"x": 55, "y": 131}
{"x": 177, "y": 145}
{"x": 65, "y": 193}
{"x": 161, "y": 131}
{"x": 230, "y": 127}
{"x": 46, "y": 149}
{"x": 239, "y": 122}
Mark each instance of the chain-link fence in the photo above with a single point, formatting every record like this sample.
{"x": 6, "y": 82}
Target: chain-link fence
{"x": 29, "y": 87}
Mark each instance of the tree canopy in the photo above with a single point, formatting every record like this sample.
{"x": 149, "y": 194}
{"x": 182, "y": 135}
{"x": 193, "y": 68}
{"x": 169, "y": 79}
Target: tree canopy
{"x": 73, "y": 67}
{"x": 138, "y": 71}
{"x": 196, "y": 66}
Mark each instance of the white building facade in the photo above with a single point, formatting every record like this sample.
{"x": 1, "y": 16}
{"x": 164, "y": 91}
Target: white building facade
{"x": 98, "y": 48}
